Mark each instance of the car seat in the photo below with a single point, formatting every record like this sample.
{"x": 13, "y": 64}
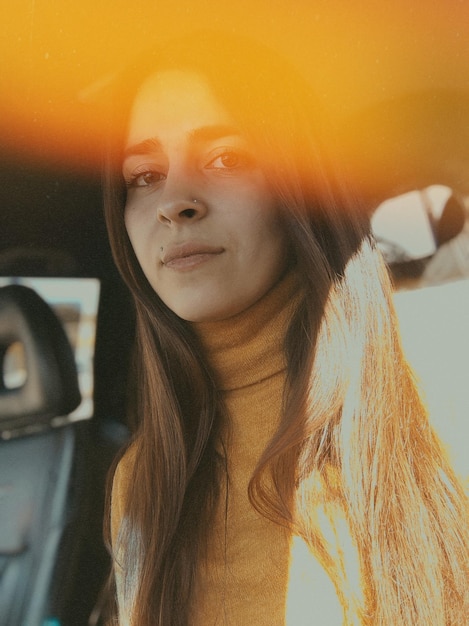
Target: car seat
{"x": 36, "y": 456}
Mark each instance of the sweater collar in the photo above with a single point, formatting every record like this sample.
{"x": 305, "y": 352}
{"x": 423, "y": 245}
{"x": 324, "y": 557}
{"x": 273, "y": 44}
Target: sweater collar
{"x": 248, "y": 348}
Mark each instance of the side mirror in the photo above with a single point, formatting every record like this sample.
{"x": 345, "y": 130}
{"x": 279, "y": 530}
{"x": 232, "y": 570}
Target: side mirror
{"x": 411, "y": 227}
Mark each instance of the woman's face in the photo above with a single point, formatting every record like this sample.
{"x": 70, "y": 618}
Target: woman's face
{"x": 201, "y": 218}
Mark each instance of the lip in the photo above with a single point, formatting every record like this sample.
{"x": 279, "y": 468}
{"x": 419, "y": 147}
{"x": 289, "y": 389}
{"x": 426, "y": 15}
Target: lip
{"x": 189, "y": 254}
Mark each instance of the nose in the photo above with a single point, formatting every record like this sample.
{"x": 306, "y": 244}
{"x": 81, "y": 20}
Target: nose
{"x": 179, "y": 202}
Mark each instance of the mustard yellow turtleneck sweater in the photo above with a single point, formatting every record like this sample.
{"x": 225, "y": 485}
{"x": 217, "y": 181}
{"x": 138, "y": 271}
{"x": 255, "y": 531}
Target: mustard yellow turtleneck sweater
{"x": 256, "y": 574}
{"x": 245, "y": 579}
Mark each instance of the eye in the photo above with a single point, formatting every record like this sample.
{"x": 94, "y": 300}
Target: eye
{"x": 229, "y": 160}
{"x": 146, "y": 178}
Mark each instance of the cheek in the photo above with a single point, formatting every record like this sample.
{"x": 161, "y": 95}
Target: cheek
{"x": 138, "y": 232}
{"x": 275, "y": 240}
{"x": 270, "y": 229}
{"x": 279, "y": 248}
{"x": 265, "y": 242}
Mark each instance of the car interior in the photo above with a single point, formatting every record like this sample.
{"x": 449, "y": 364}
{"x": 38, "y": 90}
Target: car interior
{"x": 65, "y": 336}
{"x": 66, "y": 325}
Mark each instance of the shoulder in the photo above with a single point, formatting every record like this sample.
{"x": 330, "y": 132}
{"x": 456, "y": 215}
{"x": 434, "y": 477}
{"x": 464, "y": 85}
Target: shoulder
{"x": 125, "y": 466}
{"x": 120, "y": 487}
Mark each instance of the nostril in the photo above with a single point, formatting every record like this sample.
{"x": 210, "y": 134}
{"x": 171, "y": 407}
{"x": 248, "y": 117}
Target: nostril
{"x": 188, "y": 213}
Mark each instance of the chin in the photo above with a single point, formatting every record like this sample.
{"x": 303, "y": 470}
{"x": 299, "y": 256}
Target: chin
{"x": 203, "y": 314}
{"x": 199, "y": 317}
{"x": 218, "y": 309}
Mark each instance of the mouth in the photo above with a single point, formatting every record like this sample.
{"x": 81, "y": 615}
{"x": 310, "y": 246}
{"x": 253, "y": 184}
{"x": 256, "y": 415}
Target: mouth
{"x": 189, "y": 255}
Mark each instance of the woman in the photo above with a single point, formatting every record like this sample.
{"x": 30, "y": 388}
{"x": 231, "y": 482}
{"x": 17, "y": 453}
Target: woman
{"x": 281, "y": 449}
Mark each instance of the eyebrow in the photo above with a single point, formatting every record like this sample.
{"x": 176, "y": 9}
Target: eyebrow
{"x": 143, "y": 147}
{"x": 198, "y": 135}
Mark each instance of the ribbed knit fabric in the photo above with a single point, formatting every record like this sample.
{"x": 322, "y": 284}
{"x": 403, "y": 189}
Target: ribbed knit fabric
{"x": 245, "y": 578}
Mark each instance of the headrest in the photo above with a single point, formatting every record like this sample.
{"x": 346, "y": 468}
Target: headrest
{"x": 51, "y": 385}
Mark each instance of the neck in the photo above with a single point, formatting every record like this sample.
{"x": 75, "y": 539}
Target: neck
{"x": 248, "y": 347}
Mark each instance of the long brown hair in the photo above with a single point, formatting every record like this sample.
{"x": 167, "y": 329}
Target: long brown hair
{"x": 354, "y": 433}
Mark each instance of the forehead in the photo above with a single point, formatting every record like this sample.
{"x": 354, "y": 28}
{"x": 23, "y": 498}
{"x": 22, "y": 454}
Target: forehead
{"x": 172, "y": 103}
